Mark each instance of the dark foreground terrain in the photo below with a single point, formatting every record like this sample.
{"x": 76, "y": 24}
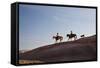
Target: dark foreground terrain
{"x": 81, "y": 49}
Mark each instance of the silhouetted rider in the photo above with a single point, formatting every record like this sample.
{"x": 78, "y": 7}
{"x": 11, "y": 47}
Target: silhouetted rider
{"x": 57, "y": 36}
{"x": 71, "y": 32}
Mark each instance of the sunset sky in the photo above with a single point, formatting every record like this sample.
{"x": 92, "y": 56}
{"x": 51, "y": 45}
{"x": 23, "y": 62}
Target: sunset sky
{"x": 37, "y": 24}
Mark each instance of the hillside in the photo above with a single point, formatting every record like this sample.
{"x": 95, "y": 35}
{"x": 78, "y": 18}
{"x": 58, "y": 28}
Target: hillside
{"x": 81, "y": 49}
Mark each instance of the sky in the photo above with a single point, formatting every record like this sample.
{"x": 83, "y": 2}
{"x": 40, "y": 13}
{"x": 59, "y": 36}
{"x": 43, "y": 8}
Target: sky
{"x": 37, "y": 24}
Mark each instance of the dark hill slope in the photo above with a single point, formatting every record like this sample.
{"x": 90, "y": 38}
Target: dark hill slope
{"x": 81, "y": 49}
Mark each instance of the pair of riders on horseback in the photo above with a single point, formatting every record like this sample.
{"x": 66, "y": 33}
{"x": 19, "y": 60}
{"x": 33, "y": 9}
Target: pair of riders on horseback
{"x": 71, "y": 35}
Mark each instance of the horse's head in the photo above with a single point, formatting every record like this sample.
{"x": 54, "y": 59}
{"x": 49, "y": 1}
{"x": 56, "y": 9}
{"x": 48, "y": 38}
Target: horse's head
{"x": 53, "y": 37}
{"x": 67, "y": 35}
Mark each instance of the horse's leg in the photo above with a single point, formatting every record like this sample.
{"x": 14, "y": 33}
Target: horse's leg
{"x": 68, "y": 39}
{"x": 75, "y": 38}
{"x": 60, "y": 40}
{"x": 55, "y": 41}
{"x": 71, "y": 39}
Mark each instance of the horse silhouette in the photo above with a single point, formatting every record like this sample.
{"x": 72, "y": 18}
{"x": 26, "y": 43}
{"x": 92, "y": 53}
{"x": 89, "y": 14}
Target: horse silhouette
{"x": 57, "y": 37}
{"x": 71, "y": 36}
{"x": 82, "y": 36}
